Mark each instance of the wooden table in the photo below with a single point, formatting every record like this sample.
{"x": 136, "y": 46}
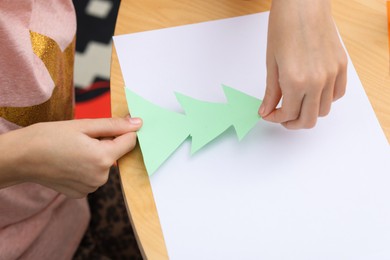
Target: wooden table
{"x": 362, "y": 24}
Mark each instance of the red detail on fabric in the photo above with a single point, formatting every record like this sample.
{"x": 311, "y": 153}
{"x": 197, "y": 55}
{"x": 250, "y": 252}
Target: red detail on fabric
{"x": 96, "y": 85}
{"x": 98, "y": 107}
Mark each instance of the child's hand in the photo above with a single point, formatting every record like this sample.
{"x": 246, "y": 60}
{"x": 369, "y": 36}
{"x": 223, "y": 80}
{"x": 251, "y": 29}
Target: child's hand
{"x": 72, "y": 157}
{"x": 306, "y": 64}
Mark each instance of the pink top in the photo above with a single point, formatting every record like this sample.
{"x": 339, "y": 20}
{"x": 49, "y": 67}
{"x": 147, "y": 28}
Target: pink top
{"x": 36, "y": 74}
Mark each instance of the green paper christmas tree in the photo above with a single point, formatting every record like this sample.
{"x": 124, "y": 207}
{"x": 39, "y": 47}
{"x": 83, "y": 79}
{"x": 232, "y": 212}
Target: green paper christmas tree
{"x": 163, "y": 131}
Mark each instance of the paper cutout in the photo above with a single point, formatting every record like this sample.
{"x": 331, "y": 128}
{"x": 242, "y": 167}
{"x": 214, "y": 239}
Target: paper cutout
{"x": 205, "y": 119}
{"x": 163, "y": 131}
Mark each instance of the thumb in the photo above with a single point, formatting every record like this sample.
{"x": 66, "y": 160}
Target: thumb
{"x": 273, "y": 93}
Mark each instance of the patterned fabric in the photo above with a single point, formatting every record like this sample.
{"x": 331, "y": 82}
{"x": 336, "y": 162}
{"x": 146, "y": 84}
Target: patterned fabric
{"x": 110, "y": 235}
{"x": 59, "y": 64}
{"x": 25, "y": 78}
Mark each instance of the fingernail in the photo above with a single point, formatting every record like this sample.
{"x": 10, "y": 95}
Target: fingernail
{"x": 135, "y": 120}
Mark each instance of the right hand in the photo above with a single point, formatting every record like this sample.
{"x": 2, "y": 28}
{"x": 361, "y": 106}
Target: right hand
{"x": 71, "y": 157}
{"x": 306, "y": 63}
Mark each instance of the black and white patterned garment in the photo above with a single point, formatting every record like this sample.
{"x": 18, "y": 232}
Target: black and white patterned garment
{"x": 95, "y": 27}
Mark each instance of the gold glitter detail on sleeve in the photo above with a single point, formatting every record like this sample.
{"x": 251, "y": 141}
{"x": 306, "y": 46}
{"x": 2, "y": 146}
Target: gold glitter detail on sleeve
{"x": 60, "y": 67}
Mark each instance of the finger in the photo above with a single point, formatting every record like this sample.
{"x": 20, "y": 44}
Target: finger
{"x": 290, "y": 110}
{"x": 120, "y": 145}
{"x": 273, "y": 93}
{"x": 108, "y": 127}
{"x": 326, "y": 100}
{"x": 340, "y": 84}
{"x": 309, "y": 114}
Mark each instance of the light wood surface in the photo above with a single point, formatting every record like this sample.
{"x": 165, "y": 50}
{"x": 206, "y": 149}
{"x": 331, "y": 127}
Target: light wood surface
{"x": 362, "y": 25}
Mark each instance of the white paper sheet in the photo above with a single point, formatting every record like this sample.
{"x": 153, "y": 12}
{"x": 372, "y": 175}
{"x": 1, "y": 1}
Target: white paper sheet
{"x": 322, "y": 193}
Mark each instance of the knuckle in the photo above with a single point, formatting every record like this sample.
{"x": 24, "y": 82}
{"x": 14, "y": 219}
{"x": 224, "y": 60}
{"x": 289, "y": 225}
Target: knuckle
{"x": 343, "y": 61}
{"x": 290, "y": 125}
{"x": 113, "y": 122}
{"x": 98, "y": 181}
{"x": 314, "y": 78}
{"x": 296, "y": 80}
{"x": 133, "y": 140}
{"x": 116, "y": 123}
{"x": 105, "y": 162}
{"x": 102, "y": 179}
{"x": 92, "y": 188}
{"x": 273, "y": 117}
{"x": 338, "y": 93}
{"x": 324, "y": 112}
{"x": 300, "y": 82}
{"x": 287, "y": 126}
{"x": 342, "y": 92}
{"x": 300, "y": 124}
{"x": 309, "y": 124}
{"x": 319, "y": 76}
{"x": 324, "y": 75}
{"x": 287, "y": 115}
{"x": 101, "y": 159}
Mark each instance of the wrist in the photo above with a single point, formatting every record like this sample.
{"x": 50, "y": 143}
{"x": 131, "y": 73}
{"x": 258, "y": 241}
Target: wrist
{"x": 304, "y": 5}
{"x": 11, "y": 160}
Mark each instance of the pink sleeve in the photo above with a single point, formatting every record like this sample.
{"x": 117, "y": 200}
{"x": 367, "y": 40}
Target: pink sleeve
{"x": 16, "y": 52}
{"x": 24, "y": 80}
